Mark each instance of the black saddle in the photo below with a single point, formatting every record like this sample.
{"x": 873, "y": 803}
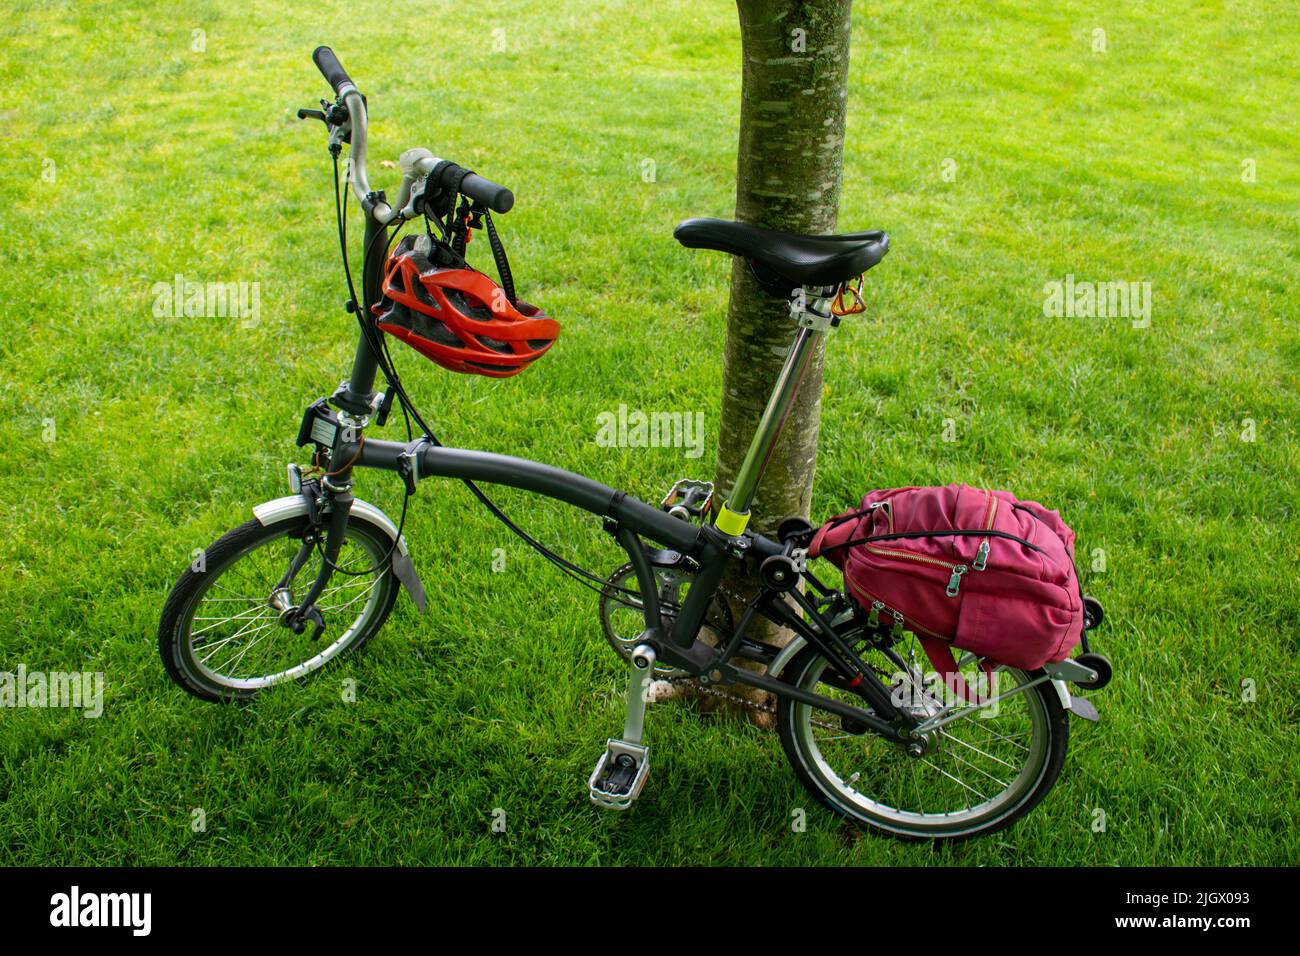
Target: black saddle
{"x": 781, "y": 260}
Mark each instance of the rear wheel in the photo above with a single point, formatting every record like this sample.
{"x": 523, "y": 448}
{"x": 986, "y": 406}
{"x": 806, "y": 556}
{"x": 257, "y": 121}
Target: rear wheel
{"x": 978, "y": 774}
{"x": 222, "y": 638}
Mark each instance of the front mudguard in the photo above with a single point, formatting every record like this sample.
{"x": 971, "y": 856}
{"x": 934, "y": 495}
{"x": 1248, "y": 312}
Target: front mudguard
{"x": 293, "y": 506}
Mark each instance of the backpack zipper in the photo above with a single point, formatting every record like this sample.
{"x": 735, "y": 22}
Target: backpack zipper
{"x": 993, "y": 509}
{"x": 954, "y": 582}
{"x": 981, "y": 555}
{"x": 900, "y": 619}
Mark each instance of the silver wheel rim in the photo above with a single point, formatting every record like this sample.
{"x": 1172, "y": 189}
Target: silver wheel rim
{"x": 970, "y": 761}
{"x": 235, "y": 628}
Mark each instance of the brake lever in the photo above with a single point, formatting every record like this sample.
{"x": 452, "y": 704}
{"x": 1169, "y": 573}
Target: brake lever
{"x": 334, "y": 116}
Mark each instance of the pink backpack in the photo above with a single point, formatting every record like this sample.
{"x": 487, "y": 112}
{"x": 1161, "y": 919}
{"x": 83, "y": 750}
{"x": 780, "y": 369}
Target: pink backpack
{"x": 962, "y": 567}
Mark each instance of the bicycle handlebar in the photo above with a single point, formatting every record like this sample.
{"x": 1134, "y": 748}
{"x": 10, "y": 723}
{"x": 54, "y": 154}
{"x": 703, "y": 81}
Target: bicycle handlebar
{"x": 448, "y": 175}
{"x": 331, "y": 69}
{"x": 497, "y": 198}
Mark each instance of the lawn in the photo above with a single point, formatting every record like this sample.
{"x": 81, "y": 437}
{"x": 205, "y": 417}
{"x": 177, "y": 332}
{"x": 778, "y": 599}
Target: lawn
{"x": 1003, "y": 145}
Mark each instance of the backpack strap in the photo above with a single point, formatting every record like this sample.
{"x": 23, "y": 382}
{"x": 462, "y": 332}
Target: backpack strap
{"x": 815, "y": 547}
{"x": 940, "y": 654}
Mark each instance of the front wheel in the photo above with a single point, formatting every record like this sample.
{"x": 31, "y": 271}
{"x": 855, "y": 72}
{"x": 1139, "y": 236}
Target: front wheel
{"x": 221, "y": 636}
{"x": 978, "y": 774}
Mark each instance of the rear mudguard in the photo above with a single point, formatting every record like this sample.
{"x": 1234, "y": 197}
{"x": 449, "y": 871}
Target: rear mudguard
{"x": 795, "y": 646}
{"x": 293, "y": 506}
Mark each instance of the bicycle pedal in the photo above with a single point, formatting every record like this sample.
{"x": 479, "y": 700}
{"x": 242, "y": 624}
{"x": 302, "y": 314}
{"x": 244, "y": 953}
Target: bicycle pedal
{"x": 620, "y": 775}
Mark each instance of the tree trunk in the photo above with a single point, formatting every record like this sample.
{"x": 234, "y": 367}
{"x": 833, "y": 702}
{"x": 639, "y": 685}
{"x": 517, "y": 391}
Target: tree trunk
{"x": 793, "y": 104}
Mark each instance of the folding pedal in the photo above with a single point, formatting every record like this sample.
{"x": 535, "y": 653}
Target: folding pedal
{"x": 620, "y": 775}
{"x": 621, "y": 772}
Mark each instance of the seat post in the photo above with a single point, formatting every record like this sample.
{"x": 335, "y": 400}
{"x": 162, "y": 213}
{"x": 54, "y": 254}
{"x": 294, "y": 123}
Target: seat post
{"x": 811, "y": 309}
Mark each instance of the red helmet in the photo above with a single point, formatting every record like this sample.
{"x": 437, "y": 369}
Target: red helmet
{"x": 459, "y": 318}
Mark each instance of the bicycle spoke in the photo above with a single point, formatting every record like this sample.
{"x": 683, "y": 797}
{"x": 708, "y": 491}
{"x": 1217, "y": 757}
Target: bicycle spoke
{"x": 214, "y": 648}
{"x": 956, "y": 780}
{"x": 1011, "y": 740}
{"x": 245, "y": 615}
{"x": 351, "y": 601}
{"x": 250, "y": 646}
{"x": 1001, "y": 783}
{"x": 244, "y": 622}
{"x": 240, "y": 597}
{"x": 982, "y": 753}
{"x": 965, "y": 780}
{"x": 247, "y": 647}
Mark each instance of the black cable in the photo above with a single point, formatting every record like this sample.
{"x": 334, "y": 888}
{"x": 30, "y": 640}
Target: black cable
{"x": 340, "y": 209}
{"x": 379, "y": 345}
{"x": 568, "y": 567}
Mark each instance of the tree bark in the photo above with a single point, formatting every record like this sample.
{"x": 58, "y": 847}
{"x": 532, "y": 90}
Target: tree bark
{"x": 793, "y": 105}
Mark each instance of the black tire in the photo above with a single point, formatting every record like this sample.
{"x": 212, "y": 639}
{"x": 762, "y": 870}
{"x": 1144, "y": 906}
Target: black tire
{"x": 365, "y": 546}
{"x": 1051, "y": 729}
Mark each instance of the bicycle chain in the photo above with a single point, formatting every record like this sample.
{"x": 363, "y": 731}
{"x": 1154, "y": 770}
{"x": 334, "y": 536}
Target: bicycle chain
{"x": 742, "y": 701}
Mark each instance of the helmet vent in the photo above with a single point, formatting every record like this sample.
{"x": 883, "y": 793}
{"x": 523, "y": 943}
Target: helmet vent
{"x": 467, "y": 306}
{"x": 438, "y": 332}
{"x": 422, "y": 294}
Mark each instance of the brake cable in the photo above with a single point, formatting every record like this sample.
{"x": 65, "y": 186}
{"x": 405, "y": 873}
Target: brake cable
{"x": 379, "y": 346}
{"x": 341, "y": 210}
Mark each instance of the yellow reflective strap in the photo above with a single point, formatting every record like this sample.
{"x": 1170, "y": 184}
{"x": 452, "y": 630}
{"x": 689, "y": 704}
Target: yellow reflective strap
{"x": 730, "y": 522}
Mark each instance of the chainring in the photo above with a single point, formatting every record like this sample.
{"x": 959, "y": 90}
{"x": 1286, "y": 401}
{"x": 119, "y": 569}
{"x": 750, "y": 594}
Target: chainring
{"x": 622, "y": 622}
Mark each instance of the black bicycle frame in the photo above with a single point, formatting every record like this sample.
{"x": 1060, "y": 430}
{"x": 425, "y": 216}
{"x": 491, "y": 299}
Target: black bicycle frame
{"x": 356, "y": 396}
{"x": 630, "y": 520}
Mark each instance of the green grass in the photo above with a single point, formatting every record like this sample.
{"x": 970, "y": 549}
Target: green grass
{"x": 1125, "y": 165}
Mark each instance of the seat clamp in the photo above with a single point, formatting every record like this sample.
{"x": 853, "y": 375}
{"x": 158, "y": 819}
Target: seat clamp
{"x": 811, "y": 308}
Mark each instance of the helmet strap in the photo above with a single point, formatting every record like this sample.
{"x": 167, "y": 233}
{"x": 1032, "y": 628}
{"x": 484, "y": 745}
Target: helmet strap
{"x": 503, "y": 264}
{"x": 463, "y": 216}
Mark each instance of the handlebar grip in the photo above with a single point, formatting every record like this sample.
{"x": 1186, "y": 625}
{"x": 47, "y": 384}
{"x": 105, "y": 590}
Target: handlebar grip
{"x": 497, "y": 198}
{"x": 331, "y": 68}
